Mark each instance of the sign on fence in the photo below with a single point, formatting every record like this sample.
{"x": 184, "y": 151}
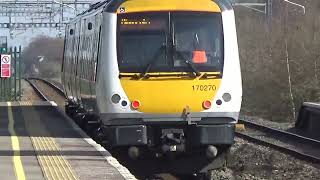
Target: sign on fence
{"x": 10, "y": 79}
{"x": 5, "y": 66}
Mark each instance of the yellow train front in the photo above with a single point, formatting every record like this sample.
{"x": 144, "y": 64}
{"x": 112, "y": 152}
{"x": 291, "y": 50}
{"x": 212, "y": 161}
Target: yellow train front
{"x": 168, "y": 79}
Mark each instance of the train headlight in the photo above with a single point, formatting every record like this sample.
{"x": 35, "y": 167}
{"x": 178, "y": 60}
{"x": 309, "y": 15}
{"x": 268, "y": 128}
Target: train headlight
{"x": 135, "y": 104}
{"x": 226, "y": 97}
{"x": 116, "y": 98}
{"x": 219, "y": 102}
{"x": 206, "y": 104}
{"x": 124, "y": 103}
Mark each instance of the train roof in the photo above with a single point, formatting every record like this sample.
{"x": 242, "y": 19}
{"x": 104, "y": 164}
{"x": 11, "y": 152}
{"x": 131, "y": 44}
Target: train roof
{"x": 113, "y": 5}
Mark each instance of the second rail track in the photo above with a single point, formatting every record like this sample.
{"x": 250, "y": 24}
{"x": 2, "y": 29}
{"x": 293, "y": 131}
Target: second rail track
{"x": 296, "y": 145}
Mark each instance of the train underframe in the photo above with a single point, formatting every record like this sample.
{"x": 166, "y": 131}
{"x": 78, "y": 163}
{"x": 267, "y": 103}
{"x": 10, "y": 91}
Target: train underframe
{"x": 189, "y": 147}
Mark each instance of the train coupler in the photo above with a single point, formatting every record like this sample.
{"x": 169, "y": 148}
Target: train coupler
{"x": 173, "y": 140}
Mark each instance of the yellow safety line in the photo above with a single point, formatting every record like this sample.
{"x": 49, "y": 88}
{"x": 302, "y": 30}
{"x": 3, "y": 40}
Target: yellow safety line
{"x": 18, "y": 167}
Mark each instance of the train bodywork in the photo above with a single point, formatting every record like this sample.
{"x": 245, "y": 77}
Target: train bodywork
{"x": 307, "y": 122}
{"x": 159, "y": 75}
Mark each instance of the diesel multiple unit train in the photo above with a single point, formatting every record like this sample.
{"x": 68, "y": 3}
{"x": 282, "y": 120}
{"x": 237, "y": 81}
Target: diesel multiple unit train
{"x": 159, "y": 76}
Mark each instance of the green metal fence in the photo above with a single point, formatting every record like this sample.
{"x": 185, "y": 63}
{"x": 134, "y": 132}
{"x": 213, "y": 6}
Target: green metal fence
{"x": 10, "y": 88}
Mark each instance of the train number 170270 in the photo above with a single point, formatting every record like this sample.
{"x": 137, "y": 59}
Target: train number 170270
{"x": 204, "y": 88}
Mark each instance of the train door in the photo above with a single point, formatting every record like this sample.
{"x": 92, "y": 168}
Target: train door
{"x": 74, "y": 62}
{"x": 64, "y": 59}
{"x": 90, "y": 50}
{"x": 67, "y": 59}
{"x": 96, "y": 49}
{"x": 84, "y": 66}
{"x": 80, "y": 61}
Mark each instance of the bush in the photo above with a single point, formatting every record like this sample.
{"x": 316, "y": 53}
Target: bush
{"x": 265, "y": 44}
{"x": 43, "y": 57}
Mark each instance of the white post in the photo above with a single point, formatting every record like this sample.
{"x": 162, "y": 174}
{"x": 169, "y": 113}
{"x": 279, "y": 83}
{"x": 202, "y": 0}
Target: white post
{"x": 290, "y": 83}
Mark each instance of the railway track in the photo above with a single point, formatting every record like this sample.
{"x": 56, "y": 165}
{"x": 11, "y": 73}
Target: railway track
{"x": 301, "y": 147}
{"x": 58, "y": 89}
{"x": 47, "y": 90}
{"x": 37, "y": 90}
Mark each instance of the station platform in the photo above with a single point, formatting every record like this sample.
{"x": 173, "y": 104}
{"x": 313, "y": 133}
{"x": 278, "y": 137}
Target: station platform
{"x": 38, "y": 141}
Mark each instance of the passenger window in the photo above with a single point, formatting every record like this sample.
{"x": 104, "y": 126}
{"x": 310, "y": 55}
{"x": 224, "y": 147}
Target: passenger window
{"x": 90, "y": 26}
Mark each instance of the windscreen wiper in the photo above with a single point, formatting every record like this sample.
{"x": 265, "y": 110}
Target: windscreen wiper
{"x": 189, "y": 63}
{"x": 154, "y": 60}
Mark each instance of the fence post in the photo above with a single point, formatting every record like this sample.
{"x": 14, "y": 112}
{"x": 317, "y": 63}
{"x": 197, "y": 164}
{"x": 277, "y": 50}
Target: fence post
{"x": 5, "y": 89}
{"x": 15, "y": 73}
{"x": 20, "y": 54}
{"x": 1, "y": 91}
{"x": 10, "y": 78}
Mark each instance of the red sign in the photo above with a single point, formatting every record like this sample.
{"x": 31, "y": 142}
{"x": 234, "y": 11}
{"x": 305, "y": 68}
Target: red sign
{"x": 5, "y": 72}
{"x": 5, "y": 65}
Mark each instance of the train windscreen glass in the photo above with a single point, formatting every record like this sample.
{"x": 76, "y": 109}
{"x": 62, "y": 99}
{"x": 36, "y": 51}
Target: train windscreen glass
{"x": 168, "y": 40}
{"x": 198, "y": 38}
{"x": 141, "y": 39}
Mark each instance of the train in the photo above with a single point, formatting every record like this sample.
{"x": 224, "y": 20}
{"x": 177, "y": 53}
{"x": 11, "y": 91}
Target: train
{"x": 159, "y": 77}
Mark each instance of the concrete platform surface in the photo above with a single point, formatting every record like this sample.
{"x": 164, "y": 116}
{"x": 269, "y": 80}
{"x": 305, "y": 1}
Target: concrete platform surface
{"x": 38, "y": 141}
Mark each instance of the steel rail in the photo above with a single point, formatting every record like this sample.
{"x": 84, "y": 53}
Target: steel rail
{"x": 296, "y": 137}
{"x": 275, "y": 134}
{"x": 52, "y": 85}
{"x": 297, "y": 154}
{"x": 37, "y": 90}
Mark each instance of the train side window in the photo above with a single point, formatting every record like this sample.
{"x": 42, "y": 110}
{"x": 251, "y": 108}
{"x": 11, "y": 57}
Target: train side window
{"x": 89, "y": 26}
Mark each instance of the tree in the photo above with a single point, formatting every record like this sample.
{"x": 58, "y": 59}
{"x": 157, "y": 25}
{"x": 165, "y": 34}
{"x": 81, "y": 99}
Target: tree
{"x": 43, "y": 57}
{"x": 263, "y": 53}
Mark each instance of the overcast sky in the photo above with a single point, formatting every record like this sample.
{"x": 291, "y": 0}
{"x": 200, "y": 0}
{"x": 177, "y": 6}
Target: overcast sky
{"x": 24, "y": 37}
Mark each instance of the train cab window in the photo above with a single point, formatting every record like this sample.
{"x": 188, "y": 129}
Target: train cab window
{"x": 89, "y": 26}
{"x": 142, "y": 39}
{"x": 170, "y": 41}
{"x": 201, "y": 46}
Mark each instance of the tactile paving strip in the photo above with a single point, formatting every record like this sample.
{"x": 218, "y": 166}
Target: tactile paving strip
{"x": 52, "y": 162}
